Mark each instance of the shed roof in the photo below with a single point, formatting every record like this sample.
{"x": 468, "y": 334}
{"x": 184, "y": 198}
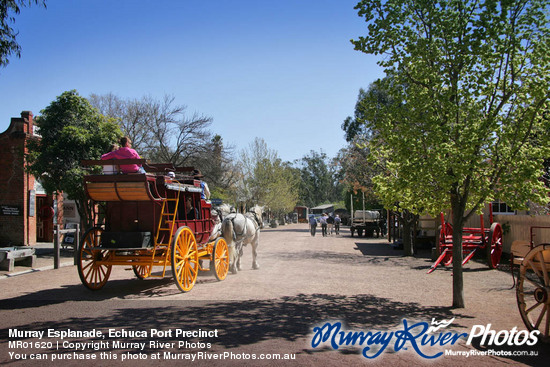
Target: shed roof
{"x": 324, "y": 206}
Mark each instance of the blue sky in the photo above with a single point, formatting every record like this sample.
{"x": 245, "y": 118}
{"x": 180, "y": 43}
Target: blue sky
{"x": 282, "y": 70}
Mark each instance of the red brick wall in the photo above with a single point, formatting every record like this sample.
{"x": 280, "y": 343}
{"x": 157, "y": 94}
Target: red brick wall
{"x": 15, "y": 184}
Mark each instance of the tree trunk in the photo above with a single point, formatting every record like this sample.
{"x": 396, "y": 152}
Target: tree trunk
{"x": 407, "y": 237}
{"x": 458, "y": 281}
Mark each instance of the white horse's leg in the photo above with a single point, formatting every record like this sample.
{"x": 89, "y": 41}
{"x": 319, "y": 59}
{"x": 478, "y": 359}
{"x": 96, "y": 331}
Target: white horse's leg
{"x": 255, "y": 244}
{"x": 239, "y": 255}
{"x": 232, "y": 259}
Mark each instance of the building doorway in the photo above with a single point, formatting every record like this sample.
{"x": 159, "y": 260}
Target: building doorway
{"x": 44, "y": 223}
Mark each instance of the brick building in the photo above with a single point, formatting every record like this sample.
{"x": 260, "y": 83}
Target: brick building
{"x": 27, "y": 214}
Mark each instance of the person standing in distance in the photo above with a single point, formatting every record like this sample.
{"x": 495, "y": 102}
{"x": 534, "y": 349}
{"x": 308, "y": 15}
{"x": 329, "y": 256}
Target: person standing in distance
{"x": 312, "y": 225}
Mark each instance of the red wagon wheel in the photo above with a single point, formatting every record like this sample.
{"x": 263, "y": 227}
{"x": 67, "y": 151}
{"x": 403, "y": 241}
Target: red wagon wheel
{"x": 533, "y": 291}
{"x": 220, "y": 258}
{"x": 493, "y": 247}
{"x": 92, "y": 273}
{"x": 185, "y": 259}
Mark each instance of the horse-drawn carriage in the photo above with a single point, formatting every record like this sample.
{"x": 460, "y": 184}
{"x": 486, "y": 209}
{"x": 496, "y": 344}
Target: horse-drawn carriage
{"x": 149, "y": 221}
{"x": 473, "y": 239}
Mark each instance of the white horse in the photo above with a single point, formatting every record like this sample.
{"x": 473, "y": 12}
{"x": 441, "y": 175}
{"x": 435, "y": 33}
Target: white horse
{"x": 239, "y": 230}
{"x": 218, "y": 214}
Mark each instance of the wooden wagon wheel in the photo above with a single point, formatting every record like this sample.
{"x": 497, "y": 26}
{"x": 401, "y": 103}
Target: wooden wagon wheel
{"x": 493, "y": 246}
{"x": 141, "y": 271}
{"x": 533, "y": 291}
{"x": 93, "y": 274}
{"x": 185, "y": 259}
{"x": 220, "y": 259}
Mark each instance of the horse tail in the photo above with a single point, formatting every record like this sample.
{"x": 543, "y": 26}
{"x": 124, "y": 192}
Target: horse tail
{"x": 228, "y": 231}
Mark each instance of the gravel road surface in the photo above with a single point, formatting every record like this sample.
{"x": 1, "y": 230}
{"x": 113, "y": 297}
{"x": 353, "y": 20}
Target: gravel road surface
{"x": 260, "y": 317}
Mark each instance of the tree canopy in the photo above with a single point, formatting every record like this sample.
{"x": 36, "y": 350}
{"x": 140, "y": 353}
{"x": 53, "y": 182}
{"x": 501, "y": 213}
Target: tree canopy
{"x": 266, "y": 180}
{"x": 8, "y": 36}
{"x": 470, "y": 83}
{"x": 318, "y": 181}
{"x": 71, "y": 130}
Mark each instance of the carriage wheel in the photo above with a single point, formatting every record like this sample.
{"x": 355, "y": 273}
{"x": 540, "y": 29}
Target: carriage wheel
{"x": 185, "y": 259}
{"x": 533, "y": 291}
{"x": 493, "y": 246}
{"x": 141, "y": 271}
{"x": 220, "y": 258}
{"x": 92, "y": 274}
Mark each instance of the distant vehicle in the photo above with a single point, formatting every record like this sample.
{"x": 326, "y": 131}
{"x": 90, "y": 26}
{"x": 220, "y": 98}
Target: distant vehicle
{"x": 368, "y": 222}
{"x": 344, "y": 216}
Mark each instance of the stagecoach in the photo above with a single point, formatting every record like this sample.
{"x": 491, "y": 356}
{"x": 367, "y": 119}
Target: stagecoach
{"x": 148, "y": 222}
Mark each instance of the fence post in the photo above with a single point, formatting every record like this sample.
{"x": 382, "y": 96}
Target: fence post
{"x": 56, "y": 254}
{"x": 76, "y": 243}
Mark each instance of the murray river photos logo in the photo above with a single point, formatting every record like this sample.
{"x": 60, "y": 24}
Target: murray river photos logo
{"x": 418, "y": 336}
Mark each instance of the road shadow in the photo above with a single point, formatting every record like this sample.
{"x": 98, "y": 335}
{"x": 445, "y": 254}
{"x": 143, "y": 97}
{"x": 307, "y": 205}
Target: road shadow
{"x": 377, "y": 249}
{"x": 151, "y": 288}
{"x": 242, "y": 323}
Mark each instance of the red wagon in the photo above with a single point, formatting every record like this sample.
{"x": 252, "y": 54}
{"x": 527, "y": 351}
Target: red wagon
{"x": 473, "y": 239}
{"x": 149, "y": 222}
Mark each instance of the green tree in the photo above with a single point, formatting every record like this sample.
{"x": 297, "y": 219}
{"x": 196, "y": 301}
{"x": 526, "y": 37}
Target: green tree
{"x": 360, "y": 166}
{"x": 8, "y": 42}
{"x": 71, "y": 130}
{"x": 217, "y": 164}
{"x": 470, "y": 127}
{"x": 266, "y": 180}
{"x": 318, "y": 180}
{"x": 356, "y": 128}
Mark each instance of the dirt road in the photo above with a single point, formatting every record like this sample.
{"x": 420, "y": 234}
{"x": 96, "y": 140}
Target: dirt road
{"x": 303, "y": 282}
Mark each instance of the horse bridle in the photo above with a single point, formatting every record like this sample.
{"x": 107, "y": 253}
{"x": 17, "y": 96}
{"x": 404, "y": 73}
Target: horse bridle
{"x": 256, "y": 219}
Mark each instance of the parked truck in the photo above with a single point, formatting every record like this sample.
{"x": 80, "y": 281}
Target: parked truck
{"x": 368, "y": 222}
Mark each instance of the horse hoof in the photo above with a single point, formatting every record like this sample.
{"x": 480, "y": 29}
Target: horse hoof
{"x": 255, "y": 266}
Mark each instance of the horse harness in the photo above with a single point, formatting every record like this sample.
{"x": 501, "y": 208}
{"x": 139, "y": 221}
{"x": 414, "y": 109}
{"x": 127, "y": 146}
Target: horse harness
{"x": 240, "y": 235}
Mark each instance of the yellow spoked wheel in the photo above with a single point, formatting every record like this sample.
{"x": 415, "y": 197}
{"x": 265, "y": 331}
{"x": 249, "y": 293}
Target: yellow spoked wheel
{"x": 93, "y": 274}
{"x": 142, "y": 271}
{"x": 185, "y": 259}
{"x": 220, "y": 258}
{"x": 533, "y": 291}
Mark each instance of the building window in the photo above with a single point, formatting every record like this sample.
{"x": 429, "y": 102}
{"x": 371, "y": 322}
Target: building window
{"x": 500, "y": 207}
